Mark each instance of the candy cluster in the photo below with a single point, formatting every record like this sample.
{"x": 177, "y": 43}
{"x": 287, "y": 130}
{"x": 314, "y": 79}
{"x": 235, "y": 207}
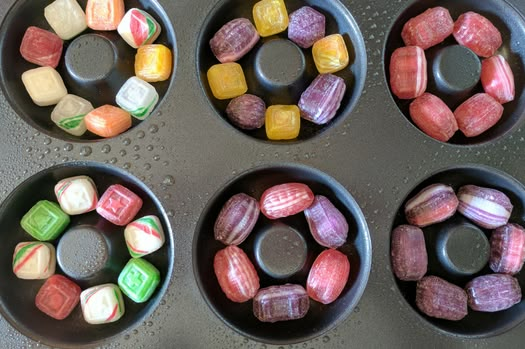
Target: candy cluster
{"x": 487, "y": 208}
{"x": 47, "y": 220}
{"x": 237, "y": 275}
{"x": 74, "y": 114}
{"x": 408, "y": 74}
{"x": 306, "y": 28}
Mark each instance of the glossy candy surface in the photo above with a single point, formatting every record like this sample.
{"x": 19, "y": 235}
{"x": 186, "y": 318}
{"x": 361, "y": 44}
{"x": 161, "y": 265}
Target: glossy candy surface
{"x": 285, "y": 200}
{"x": 139, "y": 279}
{"x": 137, "y": 97}
{"x": 144, "y": 236}
{"x": 306, "y": 26}
{"x": 153, "y": 62}
{"x": 493, "y": 292}
{"x": 76, "y": 195}
{"x": 246, "y": 111}
{"x": 44, "y": 85}
{"x": 497, "y": 79}
{"x": 270, "y": 17}
{"x": 321, "y": 100}
{"x": 34, "y": 260}
{"x": 328, "y": 276}
{"x": 433, "y": 117}
{"x": 440, "y": 299}
{"x": 408, "y": 253}
{"x": 477, "y": 33}
{"x": 227, "y": 80}
{"x": 138, "y": 28}
{"x": 236, "y": 219}
{"x": 69, "y": 114}
{"x": 58, "y": 296}
{"x": 433, "y": 204}
{"x": 330, "y": 54}
{"x": 428, "y": 29}
{"x": 282, "y": 122}
{"x": 477, "y": 114}
{"x": 119, "y": 205}
{"x": 234, "y": 40}
{"x": 41, "y": 47}
{"x": 408, "y": 72}
{"x": 66, "y": 17}
{"x": 104, "y": 14}
{"x": 507, "y": 249}
{"x": 102, "y": 304}
{"x": 327, "y": 224}
{"x": 45, "y": 221}
{"x": 107, "y": 121}
{"x": 488, "y": 208}
{"x": 281, "y": 303}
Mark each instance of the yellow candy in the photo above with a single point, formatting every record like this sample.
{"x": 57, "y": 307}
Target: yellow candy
{"x": 153, "y": 63}
{"x": 270, "y": 17}
{"x": 282, "y": 122}
{"x": 330, "y": 54}
{"x": 227, "y": 80}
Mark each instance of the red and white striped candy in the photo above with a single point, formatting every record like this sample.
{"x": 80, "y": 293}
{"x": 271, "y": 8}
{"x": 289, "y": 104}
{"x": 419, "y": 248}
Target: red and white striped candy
{"x": 433, "y": 117}
{"x": 428, "y": 29}
{"x": 144, "y": 236}
{"x": 433, "y": 204}
{"x": 102, "y": 304}
{"x": 138, "y": 28}
{"x": 497, "y": 78}
{"x": 328, "y": 276}
{"x": 477, "y": 114}
{"x": 285, "y": 200}
{"x": 507, "y": 249}
{"x": 34, "y": 260}
{"x": 76, "y": 195}
{"x": 408, "y": 72}
{"x": 476, "y": 32}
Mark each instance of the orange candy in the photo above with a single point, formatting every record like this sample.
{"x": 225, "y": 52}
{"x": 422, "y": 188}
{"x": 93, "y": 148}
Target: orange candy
{"x": 104, "y": 14}
{"x": 107, "y": 121}
{"x": 153, "y": 62}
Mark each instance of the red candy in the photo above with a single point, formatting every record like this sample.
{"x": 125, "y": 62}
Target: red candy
{"x": 497, "y": 79}
{"x": 328, "y": 276}
{"x": 477, "y": 114}
{"x": 476, "y": 32}
{"x": 408, "y": 72}
{"x": 285, "y": 200}
{"x": 119, "y": 205}
{"x": 58, "y": 296}
{"x": 428, "y": 29}
{"x": 433, "y": 117}
{"x": 41, "y": 47}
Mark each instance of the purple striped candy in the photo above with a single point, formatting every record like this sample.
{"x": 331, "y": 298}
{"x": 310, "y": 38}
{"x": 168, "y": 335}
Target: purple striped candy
{"x": 234, "y": 40}
{"x": 488, "y": 208}
{"x": 236, "y": 219}
{"x": 507, "y": 249}
{"x": 327, "y": 224}
{"x": 321, "y": 100}
{"x": 281, "y": 303}
{"x": 433, "y": 204}
{"x": 494, "y": 292}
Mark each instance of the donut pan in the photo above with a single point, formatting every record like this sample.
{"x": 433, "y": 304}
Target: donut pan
{"x": 186, "y": 159}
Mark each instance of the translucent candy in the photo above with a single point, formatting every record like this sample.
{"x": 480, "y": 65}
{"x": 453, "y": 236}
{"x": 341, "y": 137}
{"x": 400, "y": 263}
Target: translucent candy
{"x": 57, "y": 297}
{"x": 102, "y": 304}
{"x": 227, "y": 80}
{"x": 281, "y": 303}
{"x": 507, "y": 249}
{"x": 76, "y": 195}
{"x": 477, "y": 114}
{"x": 497, "y": 79}
{"x": 433, "y": 117}
{"x": 41, "y": 47}
{"x": 282, "y": 122}
{"x": 137, "y": 97}
{"x": 107, "y": 121}
{"x": 493, "y": 292}
{"x": 66, "y": 17}
{"x": 428, "y": 29}
{"x": 236, "y": 219}
{"x": 270, "y": 17}
{"x": 327, "y": 224}
{"x": 408, "y": 253}
{"x": 104, "y": 14}
{"x": 306, "y": 26}
{"x": 45, "y": 221}
{"x": 330, "y": 54}
{"x": 328, "y": 276}
{"x": 69, "y": 114}
{"x": 34, "y": 260}
{"x": 153, "y": 62}
{"x": 139, "y": 279}
{"x": 119, "y": 205}
{"x": 44, "y": 85}
{"x": 433, "y": 204}
{"x": 246, "y": 111}
{"x": 138, "y": 28}
{"x": 321, "y": 100}
{"x": 234, "y": 40}
{"x": 477, "y": 33}
{"x": 408, "y": 72}
{"x": 285, "y": 200}
{"x": 489, "y": 208}
{"x": 144, "y": 236}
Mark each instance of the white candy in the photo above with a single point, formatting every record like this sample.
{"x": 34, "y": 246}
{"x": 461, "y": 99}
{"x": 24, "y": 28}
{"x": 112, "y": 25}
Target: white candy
{"x": 144, "y": 236}
{"x": 138, "y": 28}
{"x": 102, "y": 304}
{"x": 44, "y": 85}
{"x": 66, "y": 17}
{"x": 69, "y": 114}
{"x": 34, "y": 260}
{"x": 76, "y": 195}
{"x": 137, "y": 97}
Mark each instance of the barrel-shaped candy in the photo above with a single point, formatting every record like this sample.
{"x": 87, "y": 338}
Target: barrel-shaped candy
{"x": 104, "y": 14}
{"x": 306, "y": 26}
{"x": 227, "y": 80}
{"x": 321, "y": 100}
{"x": 493, "y": 292}
{"x": 282, "y": 122}
{"x": 236, "y": 274}
{"x": 57, "y": 297}
{"x": 497, "y": 79}
{"x": 408, "y": 253}
{"x": 284, "y": 200}
{"x": 507, "y": 249}
{"x": 440, "y": 299}
{"x": 70, "y": 112}
{"x": 281, "y": 303}
{"x": 489, "y": 208}
{"x": 433, "y": 204}
{"x": 41, "y": 47}
{"x": 330, "y": 54}
{"x": 76, "y": 195}
{"x": 45, "y": 221}
{"x": 138, "y": 28}
{"x": 34, "y": 260}
{"x": 235, "y": 39}
{"x": 119, "y": 205}
{"x": 102, "y": 304}
{"x": 153, "y": 62}
{"x": 236, "y": 219}
{"x": 139, "y": 279}
{"x": 428, "y": 29}
{"x": 327, "y": 224}
{"x": 477, "y": 114}
{"x": 477, "y": 33}
{"x": 107, "y": 121}
{"x": 66, "y": 18}
{"x": 246, "y": 111}
{"x": 408, "y": 72}
{"x": 144, "y": 236}
{"x": 433, "y": 117}
{"x": 328, "y": 276}
{"x": 44, "y": 85}
{"x": 270, "y": 17}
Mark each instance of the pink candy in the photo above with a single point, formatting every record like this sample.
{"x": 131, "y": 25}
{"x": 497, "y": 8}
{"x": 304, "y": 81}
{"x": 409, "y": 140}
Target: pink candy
{"x": 497, "y": 79}
{"x": 285, "y": 200}
{"x": 477, "y": 33}
{"x": 433, "y": 117}
{"x": 41, "y": 47}
{"x": 408, "y": 72}
{"x": 119, "y": 205}
{"x": 477, "y": 114}
{"x": 328, "y": 276}
{"x": 428, "y": 29}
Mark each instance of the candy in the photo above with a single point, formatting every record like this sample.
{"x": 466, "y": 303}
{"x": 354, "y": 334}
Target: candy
{"x": 433, "y": 204}
{"x": 138, "y": 28}
{"x": 153, "y": 63}
{"x": 327, "y": 224}
{"x": 330, "y": 54}
{"x": 281, "y": 303}
{"x": 493, "y": 292}
{"x": 45, "y": 221}
{"x": 76, "y": 195}
{"x": 488, "y": 208}
{"x": 57, "y": 297}
{"x": 137, "y": 97}
{"x": 66, "y": 17}
{"x": 139, "y": 279}
{"x": 119, "y": 205}
{"x": 102, "y": 304}
{"x": 236, "y": 274}
{"x": 285, "y": 200}
{"x": 234, "y": 40}
{"x": 44, "y": 85}
{"x": 41, "y": 47}
{"x": 104, "y": 14}
{"x": 408, "y": 72}
{"x": 69, "y": 114}
{"x": 227, "y": 80}
{"x": 321, "y": 100}
{"x": 282, "y": 122}
{"x": 477, "y": 33}
{"x": 34, "y": 260}
{"x": 236, "y": 219}
{"x": 428, "y": 29}
{"x": 107, "y": 121}
{"x": 507, "y": 249}
{"x": 433, "y": 117}
{"x": 440, "y": 299}
{"x": 497, "y": 79}
{"x": 408, "y": 253}
{"x": 328, "y": 276}
{"x": 477, "y": 114}
{"x": 246, "y": 112}
{"x": 306, "y": 26}
{"x": 144, "y": 236}
{"x": 270, "y": 17}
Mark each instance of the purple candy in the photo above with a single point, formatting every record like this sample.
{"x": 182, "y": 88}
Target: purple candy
{"x": 236, "y": 219}
{"x": 321, "y": 100}
{"x": 408, "y": 253}
{"x": 281, "y": 303}
{"x": 441, "y": 299}
{"x": 306, "y": 26}
{"x": 327, "y": 224}
{"x": 234, "y": 40}
{"x": 488, "y": 208}
{"x": 494, "y": 292}
{"x": 246, "y": 111}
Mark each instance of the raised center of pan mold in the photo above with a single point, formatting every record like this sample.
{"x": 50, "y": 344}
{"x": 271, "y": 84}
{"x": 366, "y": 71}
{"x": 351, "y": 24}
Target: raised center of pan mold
{"x": 82, "y": 252}
{"x": 280, "y": 251}
{"x": 463, "y": 249}
{"x": 279, "y": 63}
{"x": 90, "y": 57}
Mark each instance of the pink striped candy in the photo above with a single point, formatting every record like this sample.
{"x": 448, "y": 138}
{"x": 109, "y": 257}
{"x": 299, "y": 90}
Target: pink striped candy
{"x": 477, "y": 114}
{"x": 328, "y": 276}
{"x": 507, "y": 249}
{"x": 433, "y": 204}
{"x": 408, "y": 72}
{"x": 433, "y": 117}
{"x": 285, "y": 200}
{"x": 236, "y": 219}
{"x": 428, "y": 29}
{"x": 488, "y": 208}
{"x": 477, "y": 33}
{"x": 497, "y": 78}
{"x": 493, "y": 292}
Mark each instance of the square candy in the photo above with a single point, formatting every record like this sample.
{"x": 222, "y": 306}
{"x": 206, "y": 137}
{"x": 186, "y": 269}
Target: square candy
{"x": 57, "y": 297}
{"x": 69, "y": 114}
{"x": 107, "y": 121}
{"x": 270, "y": 17}
{"x": 119, "y": 205}
{"x": 66, "y": 17}
{"x": 104, "y": 14}
{"x": 227, "y": 80}
{"x": 34, "y": 260}
{"x": 153, "y": 63}
{"x": 282, "y": 122}
{"x": 138, "y": 28}
{"x": 45, "y": 221}
{"x": 41, "y": 47}
{"x": 144, "y": 236}
{"x": 76, "y": 195}
{"x": 137, "y": 97}
{"x": 330, "y": 54}
{"x": 102, "y": 304}
{"x": 139, "y": 279}
{"x": 44, "y": 85}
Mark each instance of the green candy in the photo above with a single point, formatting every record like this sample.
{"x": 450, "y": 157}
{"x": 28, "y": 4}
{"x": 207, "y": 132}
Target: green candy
{"x": 139, "y": 279}
{"x": 45, "y": 221}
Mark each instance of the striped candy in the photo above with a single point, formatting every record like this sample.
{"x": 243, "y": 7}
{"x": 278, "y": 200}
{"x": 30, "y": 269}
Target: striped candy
{"x": 507, "y": 249}
{"x": 488, "y": 208}
{"x": 285, "y": 200}
{"x": 408, "y": 253}
{"x": 433, "y": 117}
{"x": 328, "y": 276}
{"x": 102, "y": 304}
{"x": 236, "y": 219}
{"x": 493, "y": 292}
{"x": 408, "y": 72}
{"x": 433, "y": 204}
{"x": 327, "y": 224}
{"x": 281, "y": 303}
{"x": 76, "y": 195}
{"x": 144, "y": 236}
{"x": 497, "y": 79}
{"x": 138, "y": 28}
{"x": 477, "y": 33}
{"x": 34, "y": 260}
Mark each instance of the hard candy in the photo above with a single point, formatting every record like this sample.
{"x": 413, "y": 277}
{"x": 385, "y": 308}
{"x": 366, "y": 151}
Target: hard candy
{"x": 34, "y": 260}
{"x": 440, "y": 299}
{"x": 137, "y": 97}
{"x": 144, "y": 236}
{"x": 285, "y": 200}
{"x": 57, "y": 297}
{"x": 76, "y": 195}
{"x": 69, "y": 114}
{"x": 433, "y": 117}
{"x": 493, "y": 292}
{"x": 104, "y": 14}
{"x": 153, "y": 62}
{"x": 44, "y": 85}
{"x": 236, "y": 219}
{"x": 235, "y": 39}
{"x": 66, "y": 17}
{"x": 41, "y": 47}
{"x": 282, "y": 122}
{"x": 119, "y": 205}
{"x": 107, "y": 121}
{"x": 328, "y": 276}
{"x": 489, "y": 208}
{"x": 477, "y": 33}
{"x": 478, "y": 114}
{"x": 327, "y": 224}
{"x": 433, "y": 204}
{"x": 321, "y": 100}
{"x": 270, "y": 17}
{"x": 45, "y": 221}
{"x": 139, "y": 279}
{"x": 227, "y": 80}
{"x": 246, "y": 111}
{"x": 428, "y": 29}
{"x": 102, "y": 304}
{"x": 306, "y": 26}
{"x": 138, "y": 28}
{"x": 497, "y": 79}
{"x": 330, "y": 54}
{"x": 408, "y": 72}
{"x": 408, "y": 253}
{"x": 507, "y": 249}
{"x": 281, "y": 303}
